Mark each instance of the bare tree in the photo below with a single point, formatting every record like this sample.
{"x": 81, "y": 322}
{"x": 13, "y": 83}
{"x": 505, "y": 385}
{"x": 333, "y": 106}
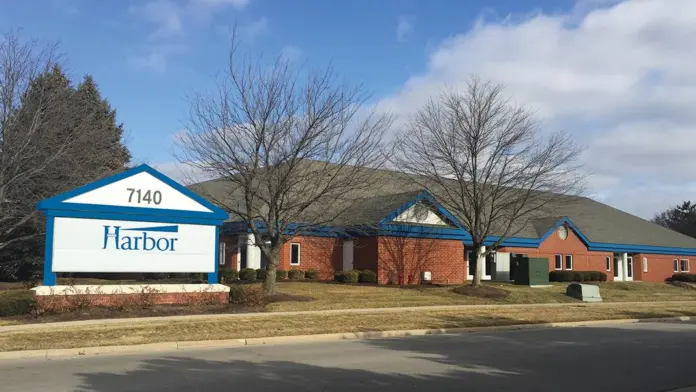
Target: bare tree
{"x": 486, "y": 160}
{"x": 290, "y": 145}
{"x": 22, "y": 158}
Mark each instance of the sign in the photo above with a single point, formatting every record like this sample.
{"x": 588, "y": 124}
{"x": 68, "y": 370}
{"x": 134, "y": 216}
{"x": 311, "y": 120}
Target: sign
{"x": 95, "y": 245}
{"x": 135, "y": 221}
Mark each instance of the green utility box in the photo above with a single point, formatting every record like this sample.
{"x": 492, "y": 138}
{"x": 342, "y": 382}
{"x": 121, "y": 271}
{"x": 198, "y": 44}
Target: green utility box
{"x": 531, "y": 271}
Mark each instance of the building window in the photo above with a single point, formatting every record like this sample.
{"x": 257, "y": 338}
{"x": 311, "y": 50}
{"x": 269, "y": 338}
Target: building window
{"x": 221, "y": 256}
{"x": 294, "y": 254}
{"x": 684, "y": 265}
{"x": 608, "y": 263}
{"x": 559, "y": 262}
{"x": 645, "y": 264}
{"x": 676, "y": 265}
{"x": 569, "y": 262}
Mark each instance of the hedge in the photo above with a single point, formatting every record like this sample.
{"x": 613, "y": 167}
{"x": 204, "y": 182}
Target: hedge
{"x": 228, "y": 275}
{"x": 577, "y": 276}
{"x": 295, "y": 274}
{"x": 261, "y": 274}
{"x": 347, "y": 276}
{"x": 17, "y": 303}
{"x": 246, "y": 295}
{"x": 684, "y": 277}
{"x": 367, "y": 276}
{"x": 312, "y": 274}
{"x": 248, "y": 274}
{"x": 281, "y": 274}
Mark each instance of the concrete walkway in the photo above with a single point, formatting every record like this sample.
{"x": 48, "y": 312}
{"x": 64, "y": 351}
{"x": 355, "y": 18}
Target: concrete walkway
{"x": 70, "y": 324}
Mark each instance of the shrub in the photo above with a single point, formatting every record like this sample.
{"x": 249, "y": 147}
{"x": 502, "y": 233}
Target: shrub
{"x": 246, "y": 295}
{"x": 296, "y": 274}
{"x": 248, "y": 274}
{"x": 260, "y": 274}
{"x": 312, "y": 274}
{"x": 17, "y": 303}
{"x": 197, "y": 277}
{"x": 577, "y": 276}
{"x": 281, "y": 274}
{"x": 561, "y": 276}
{"x": 684, "y": 277}
{"x": 228, "y": 275}
{"x": 347, "y": 276}
{"x": 367, "y": 276}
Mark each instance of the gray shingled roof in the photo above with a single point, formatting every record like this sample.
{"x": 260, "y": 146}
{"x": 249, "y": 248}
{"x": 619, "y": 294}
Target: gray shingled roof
{"x": 597, "y": 221}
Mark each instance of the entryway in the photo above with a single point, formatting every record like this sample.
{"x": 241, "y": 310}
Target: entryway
{"x": 623, "y": 267}
{"x": 488, "y": 266}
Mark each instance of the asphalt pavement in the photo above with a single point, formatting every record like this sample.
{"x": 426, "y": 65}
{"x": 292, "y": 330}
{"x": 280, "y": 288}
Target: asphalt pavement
{"x": 639, "y": 357}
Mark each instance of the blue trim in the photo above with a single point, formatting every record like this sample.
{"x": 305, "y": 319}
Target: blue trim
{"x": 159, "y": 229}
{"x": 425, "y": 195}
{"x": 49, "y": 277}
{"x": 213, "y": 276}
{"x": 58, "y": 202}
{"x": 625, "y": 248}
{"x": 127, "y": 217}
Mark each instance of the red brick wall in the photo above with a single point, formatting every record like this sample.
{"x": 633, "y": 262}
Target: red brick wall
{"x": 365, "y": 253}
{"x": 660, "y": 267}
{"x": 583, "y": 259}
{"x": 69, "y": 302}
{"x": 323, "y": 254}
{"x": 402, "y": 260}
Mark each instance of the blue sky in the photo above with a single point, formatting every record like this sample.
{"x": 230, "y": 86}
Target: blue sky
{"x": 618, "y": 75}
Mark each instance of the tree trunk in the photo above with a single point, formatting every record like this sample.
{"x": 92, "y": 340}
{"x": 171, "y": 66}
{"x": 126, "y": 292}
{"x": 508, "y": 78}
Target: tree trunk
{"x": 269, "y": 283}
{"x": 480, "y": 252}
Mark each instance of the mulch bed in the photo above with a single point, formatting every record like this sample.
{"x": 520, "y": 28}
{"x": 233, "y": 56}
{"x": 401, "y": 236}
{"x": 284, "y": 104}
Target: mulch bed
{"x": 482, "y": 291}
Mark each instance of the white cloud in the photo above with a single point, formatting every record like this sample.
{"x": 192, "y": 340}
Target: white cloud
{"x": 404, "y": 27}
{"x": 619, "y": 77}
{"x": 182, "y": 173}
{"x": 254, "y": 29}
{"x": 170, "y": 20}
{"x": 291, "y": 53}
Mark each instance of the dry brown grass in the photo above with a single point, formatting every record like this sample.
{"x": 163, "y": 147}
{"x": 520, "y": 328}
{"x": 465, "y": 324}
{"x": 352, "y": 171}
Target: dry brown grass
{"x": 336, "y": 296}
{"x": 265, "y": 326}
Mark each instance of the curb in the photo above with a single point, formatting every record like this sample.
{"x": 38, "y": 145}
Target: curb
{"x": 298, "y": 339}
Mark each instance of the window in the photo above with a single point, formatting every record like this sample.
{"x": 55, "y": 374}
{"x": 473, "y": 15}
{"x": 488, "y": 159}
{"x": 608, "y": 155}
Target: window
{"x": 608, "y": 263}
{"x": 569, "y": 262}
{"x": 221, "y": 256}
{"x": 684, "y": 265}
{"x": 645, "y": 264}
{"x": 676, "y": 266}
{"x": 294, "y": 254}
{"x": 559, "y": 262}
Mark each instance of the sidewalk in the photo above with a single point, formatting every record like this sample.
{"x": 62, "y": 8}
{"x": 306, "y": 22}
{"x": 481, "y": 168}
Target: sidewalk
{"x": 69, "y": 324}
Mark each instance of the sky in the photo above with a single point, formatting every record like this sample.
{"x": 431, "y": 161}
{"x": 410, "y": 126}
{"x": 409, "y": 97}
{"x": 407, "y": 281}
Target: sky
{"x": 619, "y": 76}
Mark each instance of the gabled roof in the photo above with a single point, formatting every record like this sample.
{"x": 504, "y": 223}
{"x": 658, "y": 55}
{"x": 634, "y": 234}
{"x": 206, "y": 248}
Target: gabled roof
{"x": 603, "y": 226}
{"x": 140, "y": 193}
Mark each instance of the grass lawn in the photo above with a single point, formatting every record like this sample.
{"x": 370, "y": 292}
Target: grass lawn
{"x": 335, "y": 296}
{"x": 287, "y": 325}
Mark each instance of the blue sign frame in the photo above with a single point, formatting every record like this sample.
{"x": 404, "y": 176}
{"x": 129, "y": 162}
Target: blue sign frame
{"x": 57, "y": 207}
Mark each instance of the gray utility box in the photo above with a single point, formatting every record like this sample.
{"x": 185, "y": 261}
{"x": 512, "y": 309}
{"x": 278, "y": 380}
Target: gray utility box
{"x": 584, "y": 292}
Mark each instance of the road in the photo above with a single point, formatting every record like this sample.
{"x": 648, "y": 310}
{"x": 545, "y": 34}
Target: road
{"x": 637, "y": 357}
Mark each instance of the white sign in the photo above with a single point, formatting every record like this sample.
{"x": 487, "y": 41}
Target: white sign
{"x": 97, "y": 245}
{"x": 139, "y": 190}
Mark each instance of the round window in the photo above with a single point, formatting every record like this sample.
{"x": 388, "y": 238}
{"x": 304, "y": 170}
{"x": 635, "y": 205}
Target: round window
{"x": 562, "y": 232}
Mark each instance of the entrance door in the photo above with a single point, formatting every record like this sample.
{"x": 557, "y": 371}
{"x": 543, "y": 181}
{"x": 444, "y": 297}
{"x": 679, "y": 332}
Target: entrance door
{"x": 347, "y": 255}
{"x": 629, "y": 268}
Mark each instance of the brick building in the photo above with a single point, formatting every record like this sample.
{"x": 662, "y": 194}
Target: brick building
{"x": 411, "y": 237}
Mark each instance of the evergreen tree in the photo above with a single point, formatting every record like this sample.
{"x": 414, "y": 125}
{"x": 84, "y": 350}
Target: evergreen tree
{"x": 681, "y": 218}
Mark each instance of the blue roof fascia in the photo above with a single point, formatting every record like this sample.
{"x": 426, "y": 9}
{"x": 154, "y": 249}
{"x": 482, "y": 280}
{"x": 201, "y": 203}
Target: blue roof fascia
{"x": 58, "y": 202}
{"x": 627, "y": 248}
{"x": 407, "y": 230}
